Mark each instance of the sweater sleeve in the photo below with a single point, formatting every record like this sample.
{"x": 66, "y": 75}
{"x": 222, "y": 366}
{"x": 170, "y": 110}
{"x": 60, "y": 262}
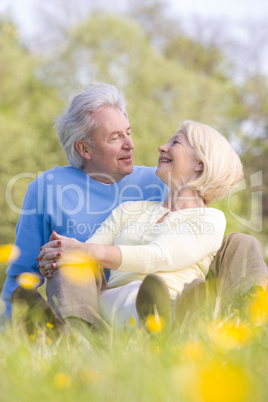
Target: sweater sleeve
{"x": 187, "y": 245}
{"x": 29, "y": 239}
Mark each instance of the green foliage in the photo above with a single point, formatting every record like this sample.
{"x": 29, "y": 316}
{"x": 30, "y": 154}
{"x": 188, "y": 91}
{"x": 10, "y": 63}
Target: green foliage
{"x": 166, "y": 76}
{"x": 27, "y": 109}
{"x": 160, "y": 92}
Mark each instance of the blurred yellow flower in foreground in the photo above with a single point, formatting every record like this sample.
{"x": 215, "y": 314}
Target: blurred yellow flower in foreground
{"x": 258, "y": 307}
{"x": 154, "y": 323}
{"x": 28, "y": 280}
{"x": 221, "y": 382}
{"x": 79, "y": 268}
{"x": 8, "y": 252}
{"x": 229, "y": 334}
{"x": 61, "y": 380}
{"x": 132, "y": 322}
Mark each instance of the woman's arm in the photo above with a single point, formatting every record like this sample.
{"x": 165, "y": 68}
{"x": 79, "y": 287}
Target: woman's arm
{"x": 56, "y": 253}
{"x": 178, "y": 247}
{"x": 98, "y": 247}
{"x": 183, "y": 246}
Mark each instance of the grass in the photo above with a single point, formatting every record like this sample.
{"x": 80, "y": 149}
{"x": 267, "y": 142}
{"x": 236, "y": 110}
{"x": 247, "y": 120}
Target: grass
{"x": 204, "y": 359}
{"x": 212, "y": 356}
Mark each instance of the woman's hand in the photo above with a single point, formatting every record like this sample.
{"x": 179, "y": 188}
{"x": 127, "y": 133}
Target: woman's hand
{"x": 53, "y": 253}
{"x": 56, "y": 253}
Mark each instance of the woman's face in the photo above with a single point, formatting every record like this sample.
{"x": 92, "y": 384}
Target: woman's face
{"x": 177, "y": 163}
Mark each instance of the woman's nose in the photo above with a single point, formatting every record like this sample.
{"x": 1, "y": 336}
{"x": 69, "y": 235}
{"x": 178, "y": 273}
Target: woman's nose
{"x": 163, "y": 148}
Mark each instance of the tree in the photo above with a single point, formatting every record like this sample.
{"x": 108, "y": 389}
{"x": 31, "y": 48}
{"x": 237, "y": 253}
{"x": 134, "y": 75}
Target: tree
{"x": 27, "y": 108}
{"x": 160, "y": 92}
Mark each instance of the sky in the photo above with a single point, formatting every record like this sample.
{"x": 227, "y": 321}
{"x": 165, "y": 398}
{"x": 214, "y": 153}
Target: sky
{"x": 235, "y": 10}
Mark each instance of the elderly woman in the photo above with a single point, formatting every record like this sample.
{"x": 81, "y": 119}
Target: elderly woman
{"x": 152, "y": 249}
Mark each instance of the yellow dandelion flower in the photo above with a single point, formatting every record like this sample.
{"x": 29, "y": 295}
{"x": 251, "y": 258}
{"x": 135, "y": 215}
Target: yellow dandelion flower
{"x": 49, "y": 325}
{"x": 222, "y": 382}
{"x": 32, "y": 337}
{"x": 192, "y": 350}
{"x": 29, "y": 280}
{"x": 79, "y": 268}
{"x": 61, "y": 380}
{"x": 8, "y": 253}
{"x": 132, "y": 322}
{"x": 258, "y": 308}
{"x": 229, "y": 334}
{"x": 155, "y": 324}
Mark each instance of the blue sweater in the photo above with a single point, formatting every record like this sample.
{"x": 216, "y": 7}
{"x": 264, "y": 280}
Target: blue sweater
{"x": 66, "y": 200}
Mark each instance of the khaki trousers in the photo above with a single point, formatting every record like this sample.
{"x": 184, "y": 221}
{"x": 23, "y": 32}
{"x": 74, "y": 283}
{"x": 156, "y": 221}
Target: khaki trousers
{"x": 69, "y": 299}
{"x": 238, "y": 266}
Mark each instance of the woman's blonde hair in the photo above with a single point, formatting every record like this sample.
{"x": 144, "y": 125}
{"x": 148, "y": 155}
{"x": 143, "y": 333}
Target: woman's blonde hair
{"x": 222, "y": 166}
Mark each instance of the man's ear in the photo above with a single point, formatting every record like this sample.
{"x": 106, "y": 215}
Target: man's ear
{"x": 83, "y": 148}
{"x": 199, "y": 167}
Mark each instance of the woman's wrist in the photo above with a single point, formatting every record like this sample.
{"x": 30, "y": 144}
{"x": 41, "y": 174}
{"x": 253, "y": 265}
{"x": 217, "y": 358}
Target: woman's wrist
{"x": 105, "y": 256}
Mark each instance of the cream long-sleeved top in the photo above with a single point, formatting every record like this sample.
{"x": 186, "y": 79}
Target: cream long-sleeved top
{"x": 179, "y": 249}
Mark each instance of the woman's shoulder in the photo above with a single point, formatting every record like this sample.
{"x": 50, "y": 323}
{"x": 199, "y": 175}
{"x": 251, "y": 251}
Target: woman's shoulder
{"x": 206, "y": 215}
{"x": 213, "y": 211}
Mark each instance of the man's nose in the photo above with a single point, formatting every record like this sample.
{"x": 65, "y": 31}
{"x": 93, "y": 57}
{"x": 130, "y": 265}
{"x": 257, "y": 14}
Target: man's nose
{"x": 128, "y": 143}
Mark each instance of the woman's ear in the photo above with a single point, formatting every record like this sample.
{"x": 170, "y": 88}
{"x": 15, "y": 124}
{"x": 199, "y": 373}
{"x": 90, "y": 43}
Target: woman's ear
{"x": 83, "y": 149}
{"x": 199, "y": 167}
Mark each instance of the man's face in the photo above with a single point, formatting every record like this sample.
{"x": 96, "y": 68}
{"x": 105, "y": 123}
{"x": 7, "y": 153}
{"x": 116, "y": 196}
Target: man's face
{"x": 111, "y": 155}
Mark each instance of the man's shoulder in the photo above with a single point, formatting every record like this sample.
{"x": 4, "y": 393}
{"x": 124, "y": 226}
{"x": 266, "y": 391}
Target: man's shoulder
{"x": 142, "y": 183}
{"x": 61, "y": 171}
{"x": 63, "y": 174}
{"x": 58, "y": 175}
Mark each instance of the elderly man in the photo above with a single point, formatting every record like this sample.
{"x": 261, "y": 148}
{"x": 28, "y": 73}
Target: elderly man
{"x": 95, "y": 134}
{"x": 73, "y": 200}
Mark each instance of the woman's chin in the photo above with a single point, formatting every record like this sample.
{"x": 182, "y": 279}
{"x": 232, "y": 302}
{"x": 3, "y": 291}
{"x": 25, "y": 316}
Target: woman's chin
{"x": 158, "y": 173}
{"x": 162, "y": 175}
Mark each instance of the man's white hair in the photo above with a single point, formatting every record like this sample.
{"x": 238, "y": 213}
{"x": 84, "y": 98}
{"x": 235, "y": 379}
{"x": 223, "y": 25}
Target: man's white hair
{"x": 78, "y": 121}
